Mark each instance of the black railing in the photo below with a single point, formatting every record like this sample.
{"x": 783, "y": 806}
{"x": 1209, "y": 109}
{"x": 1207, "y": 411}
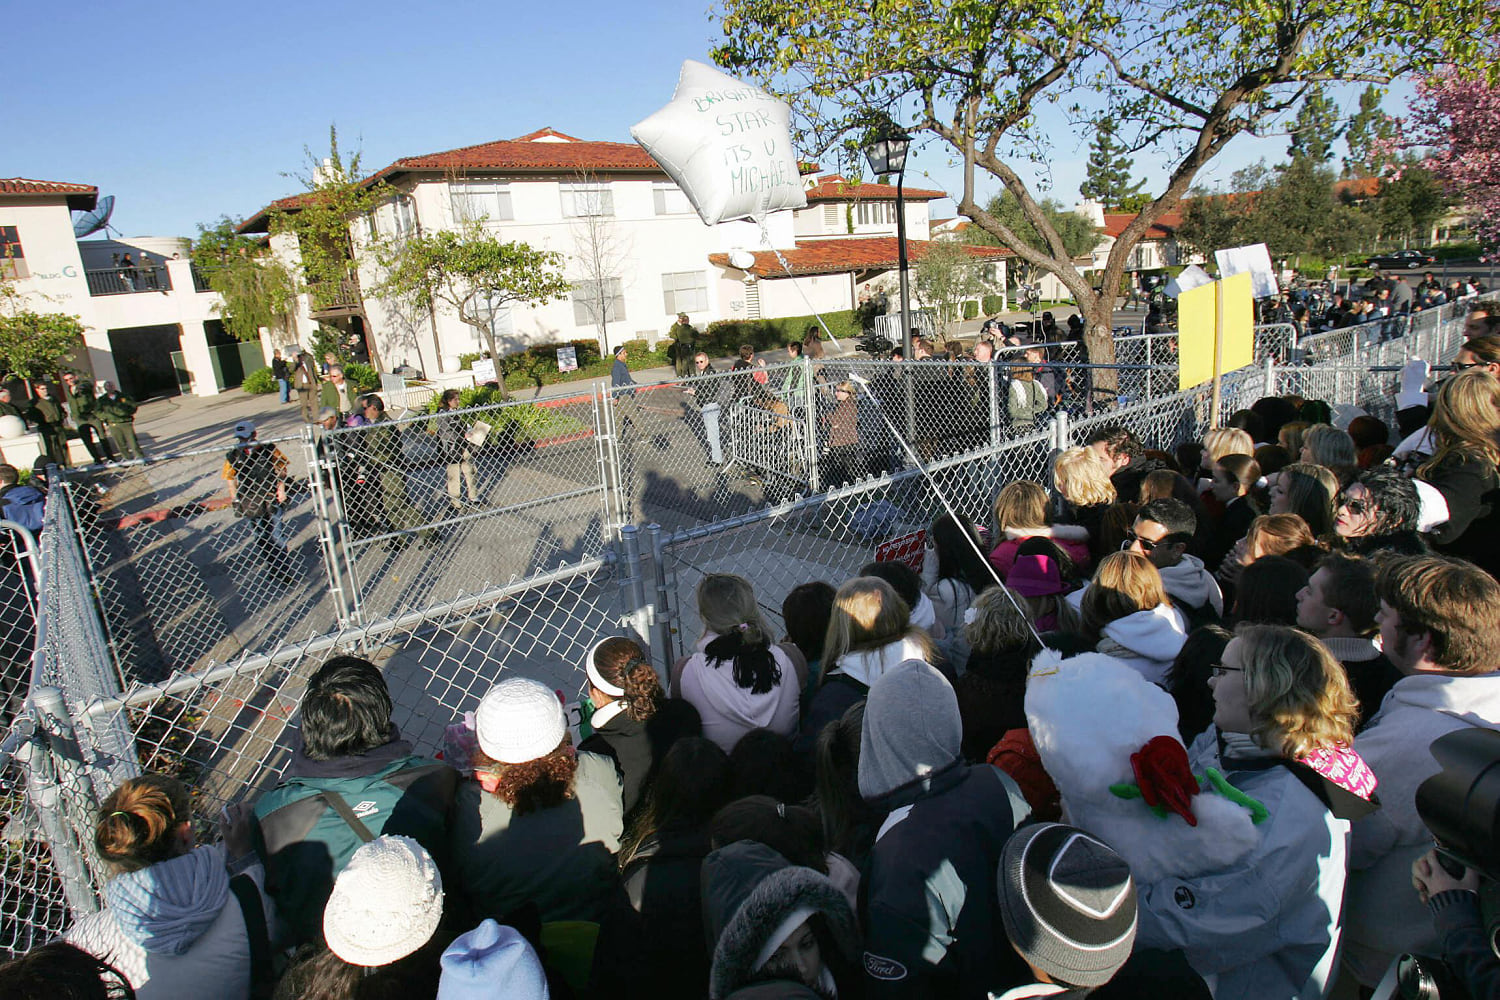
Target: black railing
{"x": 124, "y": 280}
{"x": 200, "y": 283}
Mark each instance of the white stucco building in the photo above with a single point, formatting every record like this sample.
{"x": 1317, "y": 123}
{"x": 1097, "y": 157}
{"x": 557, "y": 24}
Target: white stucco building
{"x": 557, "y": 192}
{"x": 150, "y": 327}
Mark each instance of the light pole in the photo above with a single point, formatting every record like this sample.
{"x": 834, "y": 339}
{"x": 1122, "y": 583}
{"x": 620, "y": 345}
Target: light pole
{"x": 886, "y": 152}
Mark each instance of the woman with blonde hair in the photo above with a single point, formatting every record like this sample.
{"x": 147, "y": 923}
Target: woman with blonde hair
{"x": 1290, "y": 436}
{"x": 1126, "y": 614}
{"x": 1464, "y": 430}
{"x": 174, "y": 923}
{"x": 1270, "y": 535}
{"x": 1223, "y": 441}
{"x": 736, "y": 678}
{"x": 1082, "y": 479}
{"x": 869, "y": 632}
{"x": 1283, "y": 735}
{"x": 1021, "y": 512}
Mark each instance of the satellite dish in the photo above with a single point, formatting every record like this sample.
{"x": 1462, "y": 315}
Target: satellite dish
{"x": 91, "y": 222}
{"x": 742, "y": 259}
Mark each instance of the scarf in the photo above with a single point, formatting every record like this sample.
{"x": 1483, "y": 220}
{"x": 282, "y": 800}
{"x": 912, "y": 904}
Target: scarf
{"x": 167, "y": 907}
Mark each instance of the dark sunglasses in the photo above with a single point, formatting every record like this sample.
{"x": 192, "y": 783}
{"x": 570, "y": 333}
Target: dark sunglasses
{"x": 1147, "y": 545}
{"x": 1356, "y": 507}
{"x": 1460, "y": 367}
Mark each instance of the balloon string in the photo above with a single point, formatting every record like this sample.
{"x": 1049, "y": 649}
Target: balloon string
{"x": 765, "y": 239}
{"x": 916, "y": 461}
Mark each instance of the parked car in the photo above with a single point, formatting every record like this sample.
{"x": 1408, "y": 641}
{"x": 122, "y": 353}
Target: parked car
{"x": 1408, "y": 259}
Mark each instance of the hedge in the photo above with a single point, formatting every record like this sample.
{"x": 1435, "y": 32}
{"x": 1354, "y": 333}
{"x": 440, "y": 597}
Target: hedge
{"x": 724, "y": 337}
{"x": 971, "y": 309}
{"x": 519, "y": 422}
{"x": 259, "y": 382}
{"x": 992, "y": 304}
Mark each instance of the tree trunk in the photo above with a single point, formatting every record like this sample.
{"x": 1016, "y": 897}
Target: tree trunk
{"x": 1099, "y": 342}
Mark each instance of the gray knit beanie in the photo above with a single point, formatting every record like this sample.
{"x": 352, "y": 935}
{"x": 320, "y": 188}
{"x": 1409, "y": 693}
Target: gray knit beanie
{"x": 912, "y": 729}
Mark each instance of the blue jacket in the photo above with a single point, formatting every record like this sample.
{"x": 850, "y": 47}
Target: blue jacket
{"x": 933, "y": 924}
{"x": 23, "y": 505}
{"x": 1267, "y": 927}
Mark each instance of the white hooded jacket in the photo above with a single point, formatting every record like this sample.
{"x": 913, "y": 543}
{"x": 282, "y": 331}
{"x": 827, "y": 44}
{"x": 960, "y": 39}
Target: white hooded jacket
{"x": 1147, "y": 641}
{"x": 1191, "y": 583}
{"x": 1384, "y": 915}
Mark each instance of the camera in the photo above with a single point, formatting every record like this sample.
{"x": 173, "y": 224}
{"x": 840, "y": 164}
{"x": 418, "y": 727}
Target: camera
{"x": 1461, "y": 806}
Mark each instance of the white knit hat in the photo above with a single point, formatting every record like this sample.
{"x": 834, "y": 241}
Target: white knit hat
{"x": 385, "y": 904}
{"x": 519, "y": 720}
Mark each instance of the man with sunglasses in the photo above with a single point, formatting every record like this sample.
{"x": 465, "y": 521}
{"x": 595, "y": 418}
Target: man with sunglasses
{"x": 1439, "y": 624}
{"x": 1162, "y": 532}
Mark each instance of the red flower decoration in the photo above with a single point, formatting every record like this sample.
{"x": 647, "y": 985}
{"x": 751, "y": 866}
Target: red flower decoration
{"x": 1162, "y": 772}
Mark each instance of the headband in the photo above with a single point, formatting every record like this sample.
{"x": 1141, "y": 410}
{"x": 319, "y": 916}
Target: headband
{"x": 595, "y": 677}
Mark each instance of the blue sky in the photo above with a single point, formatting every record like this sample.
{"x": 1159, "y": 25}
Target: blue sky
{"x": 189, "y": 111}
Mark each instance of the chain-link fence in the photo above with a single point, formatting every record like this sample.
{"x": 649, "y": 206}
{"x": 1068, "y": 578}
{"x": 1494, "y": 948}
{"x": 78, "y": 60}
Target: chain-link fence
{"x": 431, "y": 505}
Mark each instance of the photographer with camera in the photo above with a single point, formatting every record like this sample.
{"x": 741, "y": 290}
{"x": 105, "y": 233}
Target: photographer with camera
{"x": 1454, "y": 903}
{"x": 1440, "y": 625}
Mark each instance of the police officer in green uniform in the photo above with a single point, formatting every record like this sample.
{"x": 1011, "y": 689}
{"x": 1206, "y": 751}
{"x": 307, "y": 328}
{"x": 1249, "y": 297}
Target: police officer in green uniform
{"x": 382, "y": 447}
{"x": 47, "y": 413}
{"x": 337, "y": 393}
{"x": 118, "y": 411}
{"x": 84, "y": 410}
{"x": 685, "y": 341}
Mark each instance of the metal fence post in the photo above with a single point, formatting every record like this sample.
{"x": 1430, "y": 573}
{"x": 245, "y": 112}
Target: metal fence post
{"x": 810, "y": 416}
{"x": 1270, "y": 375}
{"x": 58, "y": 783}
{"x": 994, "y": 415}
{"x": 326, "y": 503}
{"x": 638, "y": 612}
{"x": 661, "y": 645}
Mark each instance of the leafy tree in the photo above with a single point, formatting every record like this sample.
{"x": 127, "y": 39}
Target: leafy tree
{"x": 975, "y": 76}
{"x": 1315, "y": 128}
{"x": 257, "y": 289}
{"x": 1076, "y": 232}
{"x": 1211, "y": 222}
{"x": 1252, "y": 178}
{"x": 946, "y": 276}
{"x": 1370, "y": 133}
{"x": 1460, "y": 119}
{"x": 33, "y": 344}
{"x": 469, "y": 271}
{"x": 1108, "y": 178}
{"x": 1408, "y": 203}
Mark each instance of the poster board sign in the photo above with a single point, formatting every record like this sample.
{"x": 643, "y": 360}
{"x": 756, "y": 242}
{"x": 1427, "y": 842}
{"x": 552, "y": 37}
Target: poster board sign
{"x": 1254, "y": 260}
{"x": 1197, "y": 326}
{"x": 484, "y": 371}
{"x": 477, "y": 434}
{"x": 567, "y": 359}
{"x": 907, "y": 549}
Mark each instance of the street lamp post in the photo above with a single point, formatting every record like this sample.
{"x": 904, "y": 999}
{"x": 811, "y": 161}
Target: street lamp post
{"x": 886, "y": 153}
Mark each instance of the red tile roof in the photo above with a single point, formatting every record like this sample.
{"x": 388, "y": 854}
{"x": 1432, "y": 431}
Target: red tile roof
{"x": 836, "y": 188}
{"x": 1357, "y": 187}
{"x": 843, "y": 255}
{"x": 545, "y": 151}
{"x": 80, "y": 196}
{"x": 1161, "y": 229}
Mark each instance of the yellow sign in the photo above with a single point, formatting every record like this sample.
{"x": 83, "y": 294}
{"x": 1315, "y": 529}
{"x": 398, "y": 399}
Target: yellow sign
{"x": 1223, "y": 311}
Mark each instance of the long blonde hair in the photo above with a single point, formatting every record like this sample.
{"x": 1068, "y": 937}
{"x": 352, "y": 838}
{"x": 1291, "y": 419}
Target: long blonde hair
{"x": 867, "y": 614}
{"x": 1223, "y": 441}
{"x": 1297, "y": 694}
{"x": 1465, "y": 421}
{"x": 1021, "y": 504}
{"x": 1124, "y": 583}
{"x": 1330, "y": 446}
{"x": 1276, "y": 534}
{"x": 1082, "y": 478}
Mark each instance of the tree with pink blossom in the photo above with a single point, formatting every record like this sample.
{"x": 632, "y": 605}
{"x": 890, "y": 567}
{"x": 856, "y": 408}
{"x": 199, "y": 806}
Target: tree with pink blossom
{"x": 1459, "y": 119}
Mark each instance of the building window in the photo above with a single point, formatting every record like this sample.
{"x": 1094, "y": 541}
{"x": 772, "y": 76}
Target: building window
{"x": 372, "y": 225}
{"x": 12, "y": 257}
{"x": 476, "y": 200}
{"x": 597, "y": 301}
{"x": 404, "y": 211}
{"x": 684, "y": 292}
{"x": 585, "y": 198}
{"x": 876, "y": 213}
{"x": 669, "y": 199}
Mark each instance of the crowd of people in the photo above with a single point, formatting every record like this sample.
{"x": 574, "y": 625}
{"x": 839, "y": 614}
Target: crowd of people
{"x": 1153, "y": 726}
{"x": 103, "y": 418}
{"x": 1378, "y": 297}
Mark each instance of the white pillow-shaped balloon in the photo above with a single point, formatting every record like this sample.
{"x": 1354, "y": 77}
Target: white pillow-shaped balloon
{"x": 11, "y": 427}
{"x": 727, "y": 144}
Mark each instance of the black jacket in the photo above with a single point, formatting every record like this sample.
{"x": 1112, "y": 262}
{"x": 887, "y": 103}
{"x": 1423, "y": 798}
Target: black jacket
{"x": 932, "y": 917}
{"x": 1472, "y": 489}
{"x": 626, "y": 742}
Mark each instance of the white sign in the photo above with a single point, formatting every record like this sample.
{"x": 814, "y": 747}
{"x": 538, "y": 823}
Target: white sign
{"x": 1191, "y": 277}
{"x": 477, "y": 434}
{"x": 1255, "y": 259}
{"x": 484, "y": 371}
{"x": 567, "y": 359}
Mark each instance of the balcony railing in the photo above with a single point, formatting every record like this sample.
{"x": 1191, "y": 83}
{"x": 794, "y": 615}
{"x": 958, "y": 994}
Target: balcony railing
{"x": 125, "y": 280}
{"x": 335, "y": 298}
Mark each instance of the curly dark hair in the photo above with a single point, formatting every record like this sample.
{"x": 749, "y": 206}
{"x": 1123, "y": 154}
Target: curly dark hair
{"x": 536, "y": 784}
{"x": 623, "y": 663}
